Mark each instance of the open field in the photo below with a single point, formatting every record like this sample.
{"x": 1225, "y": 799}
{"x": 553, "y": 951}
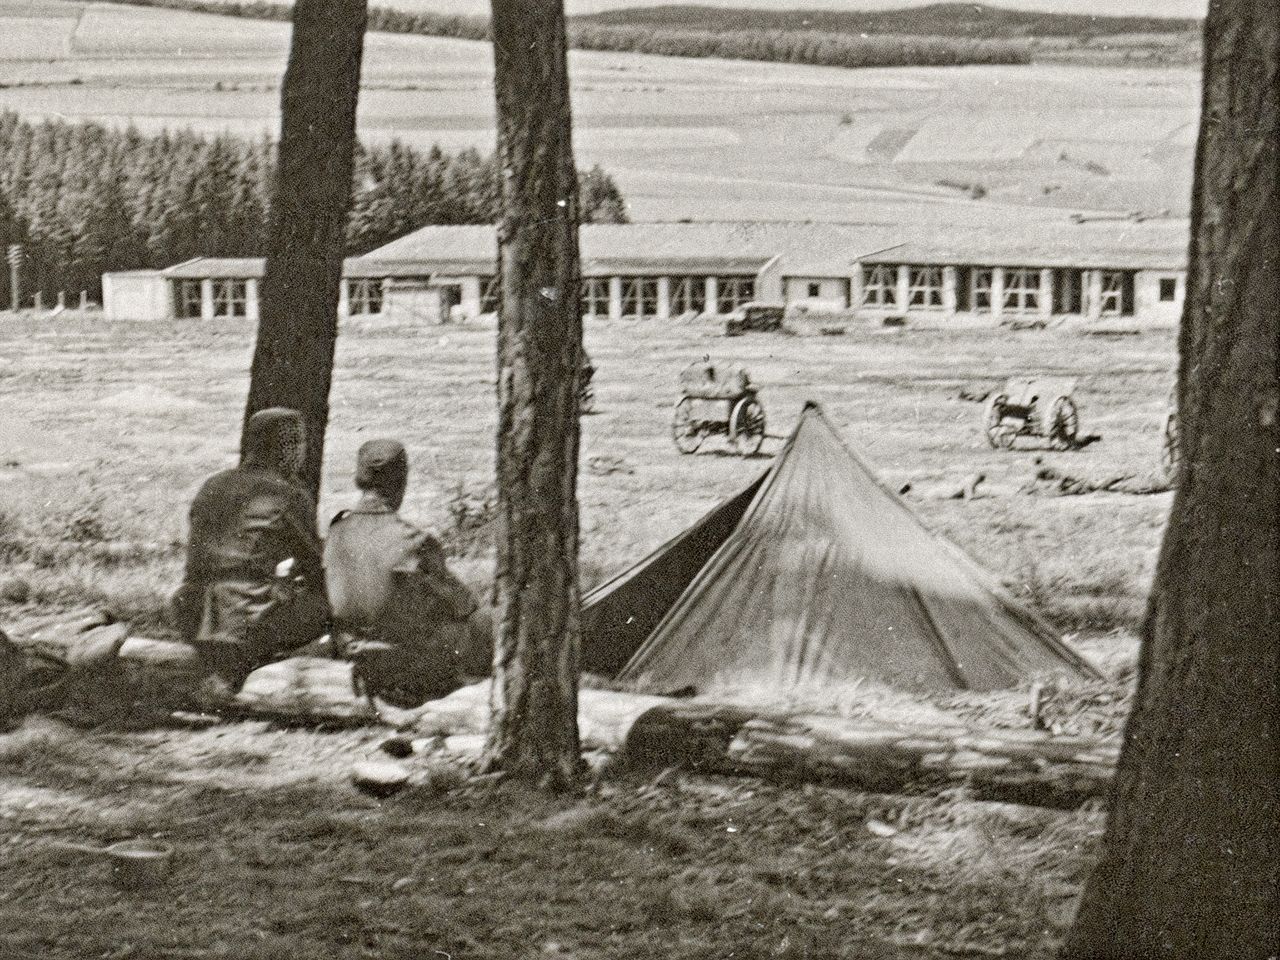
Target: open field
{"x": 685, "y": 138}
{"x": 126, "y": 419}
{"x": 107, "y": 428}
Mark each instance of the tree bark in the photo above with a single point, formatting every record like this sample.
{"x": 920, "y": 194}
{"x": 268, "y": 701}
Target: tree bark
{"x": 298, "y": 306}
{"x": 534, "y": 735}
{"x": 1191, "y": 859}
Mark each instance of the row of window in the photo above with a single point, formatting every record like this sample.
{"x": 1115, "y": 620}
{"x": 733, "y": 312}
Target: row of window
{"x": 230, "y": 298}
{"x": 687, "y": 294}
{"x": 1022, "y": 290}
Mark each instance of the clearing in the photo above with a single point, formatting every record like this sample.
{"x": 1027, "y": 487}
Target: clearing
{"x": 107, "y": 428}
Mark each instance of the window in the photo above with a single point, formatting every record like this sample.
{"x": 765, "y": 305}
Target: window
{"x": 490, "y": 294}
{"x": 982, "y": 282}
{"x": 924, "y": 289}
{"x": 1117, "y": 293}
{"x": 230, "y": 298}
{"x": 364, "y": 297}
{"x": 815, "y": 289}
{"x": 1068, "y": 291}
{"x": 733, "y": 292}
{"x": 688, "y": 295}
{"x": 879, "y": 286}
{"x": 595, "y": 296}
{"x": 639, "y": 296}
{"x": 1168, "y": 289}
{"x": 1021, "y": 290}
{"x": 187, "y": 299}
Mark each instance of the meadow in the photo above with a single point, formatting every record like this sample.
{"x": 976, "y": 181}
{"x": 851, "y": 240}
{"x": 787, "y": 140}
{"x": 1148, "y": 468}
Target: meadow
{"x": 107, "y": 429}
{"x": 122, "y": 420}
{"x": 706, "y": 138}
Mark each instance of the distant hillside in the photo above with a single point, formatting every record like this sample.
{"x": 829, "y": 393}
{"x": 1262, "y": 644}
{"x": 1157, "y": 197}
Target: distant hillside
{"x": 960, "y": 20}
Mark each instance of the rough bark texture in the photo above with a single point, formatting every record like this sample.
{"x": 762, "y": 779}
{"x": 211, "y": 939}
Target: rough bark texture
{"x": 298, "y": 325}
{"x": 1191, "y": 856}
{"x": 534, "y": 734}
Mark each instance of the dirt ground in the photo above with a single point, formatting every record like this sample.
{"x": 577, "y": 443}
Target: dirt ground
{"x": 106, "y": 430}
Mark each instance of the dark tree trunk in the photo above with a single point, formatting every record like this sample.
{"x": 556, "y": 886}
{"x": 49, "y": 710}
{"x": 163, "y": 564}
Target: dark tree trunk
{"x": 1191, "y": 856}
{"x": 534, "y": 735}
{"x": 298, "y": 326}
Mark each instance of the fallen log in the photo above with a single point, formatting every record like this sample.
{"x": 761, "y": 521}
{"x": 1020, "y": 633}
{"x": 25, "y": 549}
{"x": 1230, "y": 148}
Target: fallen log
{"x": 1018, "y": 766}
{"x": 91, "y": 666}
{"x": 1023, "y": 766}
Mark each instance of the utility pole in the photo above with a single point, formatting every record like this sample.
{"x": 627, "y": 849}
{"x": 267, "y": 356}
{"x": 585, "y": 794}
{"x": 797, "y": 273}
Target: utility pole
{"x": 15, "y": 275}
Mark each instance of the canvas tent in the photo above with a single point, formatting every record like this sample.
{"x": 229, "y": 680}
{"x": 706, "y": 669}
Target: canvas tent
{"x": 814, "y": 576}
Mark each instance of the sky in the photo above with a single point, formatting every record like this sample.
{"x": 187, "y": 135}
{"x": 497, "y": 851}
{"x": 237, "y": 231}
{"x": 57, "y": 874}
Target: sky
{"x": 1160, "y": 8}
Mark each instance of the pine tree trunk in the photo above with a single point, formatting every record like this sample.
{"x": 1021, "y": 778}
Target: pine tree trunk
{"x": 1192, "y": 852}
{"x": 298, "y": 325}
{"x": 534, "y": 735}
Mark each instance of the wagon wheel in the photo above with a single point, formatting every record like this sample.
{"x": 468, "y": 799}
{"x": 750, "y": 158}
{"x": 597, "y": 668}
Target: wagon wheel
{"x": 746, "y": 426}
{"x": 684, "y": 431}
{"x": 999, "y": 433}
{"x": 1064, "y": 422}
{"x": 1170, "y": 452}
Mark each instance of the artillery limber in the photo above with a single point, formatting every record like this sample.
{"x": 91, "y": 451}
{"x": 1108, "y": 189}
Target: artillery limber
{"x": 1033, "y": 407}
{"x": 717, "y": 399}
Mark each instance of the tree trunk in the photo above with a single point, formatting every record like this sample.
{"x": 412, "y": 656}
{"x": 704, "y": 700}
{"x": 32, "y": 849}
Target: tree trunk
{"x": 1191, "y": 857}
{"x": 298, "y": 306}
{"x": 534, "y": 735}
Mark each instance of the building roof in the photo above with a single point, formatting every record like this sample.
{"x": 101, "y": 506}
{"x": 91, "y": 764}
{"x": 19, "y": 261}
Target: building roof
{"x": 811, "y": 248}
{"x": 1119, "y": 243}
{"x": 805, "y": 249}
{"x": 244, "y": 268}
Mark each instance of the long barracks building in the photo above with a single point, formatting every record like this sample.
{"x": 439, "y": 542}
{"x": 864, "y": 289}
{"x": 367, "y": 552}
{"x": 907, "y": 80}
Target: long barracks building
{"x": 1084, "y": 269}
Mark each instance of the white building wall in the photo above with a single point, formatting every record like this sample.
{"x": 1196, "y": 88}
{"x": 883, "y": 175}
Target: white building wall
{"x": 769, "y": 283}
{"x": 1147, "y": 305}
{"x": 832, "y": 293}
{"x": 470, "y": 306}
{"x": 136, "y": 295}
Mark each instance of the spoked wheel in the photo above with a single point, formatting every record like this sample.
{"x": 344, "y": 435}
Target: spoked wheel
{"x": 746, "y": 426}
{"x": 684, "y": 430}
{"x": 1170, "y": 452}
{"x": 1064, "y": 423}
{"x": 1000, "y": 432}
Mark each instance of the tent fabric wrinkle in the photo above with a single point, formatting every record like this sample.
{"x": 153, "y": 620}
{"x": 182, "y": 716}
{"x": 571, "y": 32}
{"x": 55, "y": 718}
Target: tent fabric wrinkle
{"x": 816, "y": 575}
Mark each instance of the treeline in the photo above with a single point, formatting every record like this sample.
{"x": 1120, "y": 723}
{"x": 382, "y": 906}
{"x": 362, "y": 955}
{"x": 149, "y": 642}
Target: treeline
{"x": 84, "y": 199}
{"x": 964, "y": 20}
{"x": 813, "y": 47}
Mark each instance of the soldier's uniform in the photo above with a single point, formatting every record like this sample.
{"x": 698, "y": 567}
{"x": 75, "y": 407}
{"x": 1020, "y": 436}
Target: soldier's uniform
{"x": 400, "y": 612}
{"x": 244, "y": 522}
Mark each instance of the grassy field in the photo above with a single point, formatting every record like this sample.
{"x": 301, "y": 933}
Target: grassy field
{"x": 109, "y": 427}
{"x": 106, "y": 430}
{"x": 685, "y": 138}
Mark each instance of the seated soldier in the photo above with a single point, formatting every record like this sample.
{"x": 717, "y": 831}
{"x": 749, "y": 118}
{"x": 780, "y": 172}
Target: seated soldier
{"x": 254, "y": 582}
{"x": 400, "y": 610}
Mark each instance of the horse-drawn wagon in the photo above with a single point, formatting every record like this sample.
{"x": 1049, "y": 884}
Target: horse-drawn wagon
{"x": 1033, "y": 407}
{"x": 717, "y": 399}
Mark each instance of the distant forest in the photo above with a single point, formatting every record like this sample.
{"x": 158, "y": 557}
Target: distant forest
{"x": 960, "y": 20}
{"x": 817, "y": 47}
{"x": 84, "y": 199}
